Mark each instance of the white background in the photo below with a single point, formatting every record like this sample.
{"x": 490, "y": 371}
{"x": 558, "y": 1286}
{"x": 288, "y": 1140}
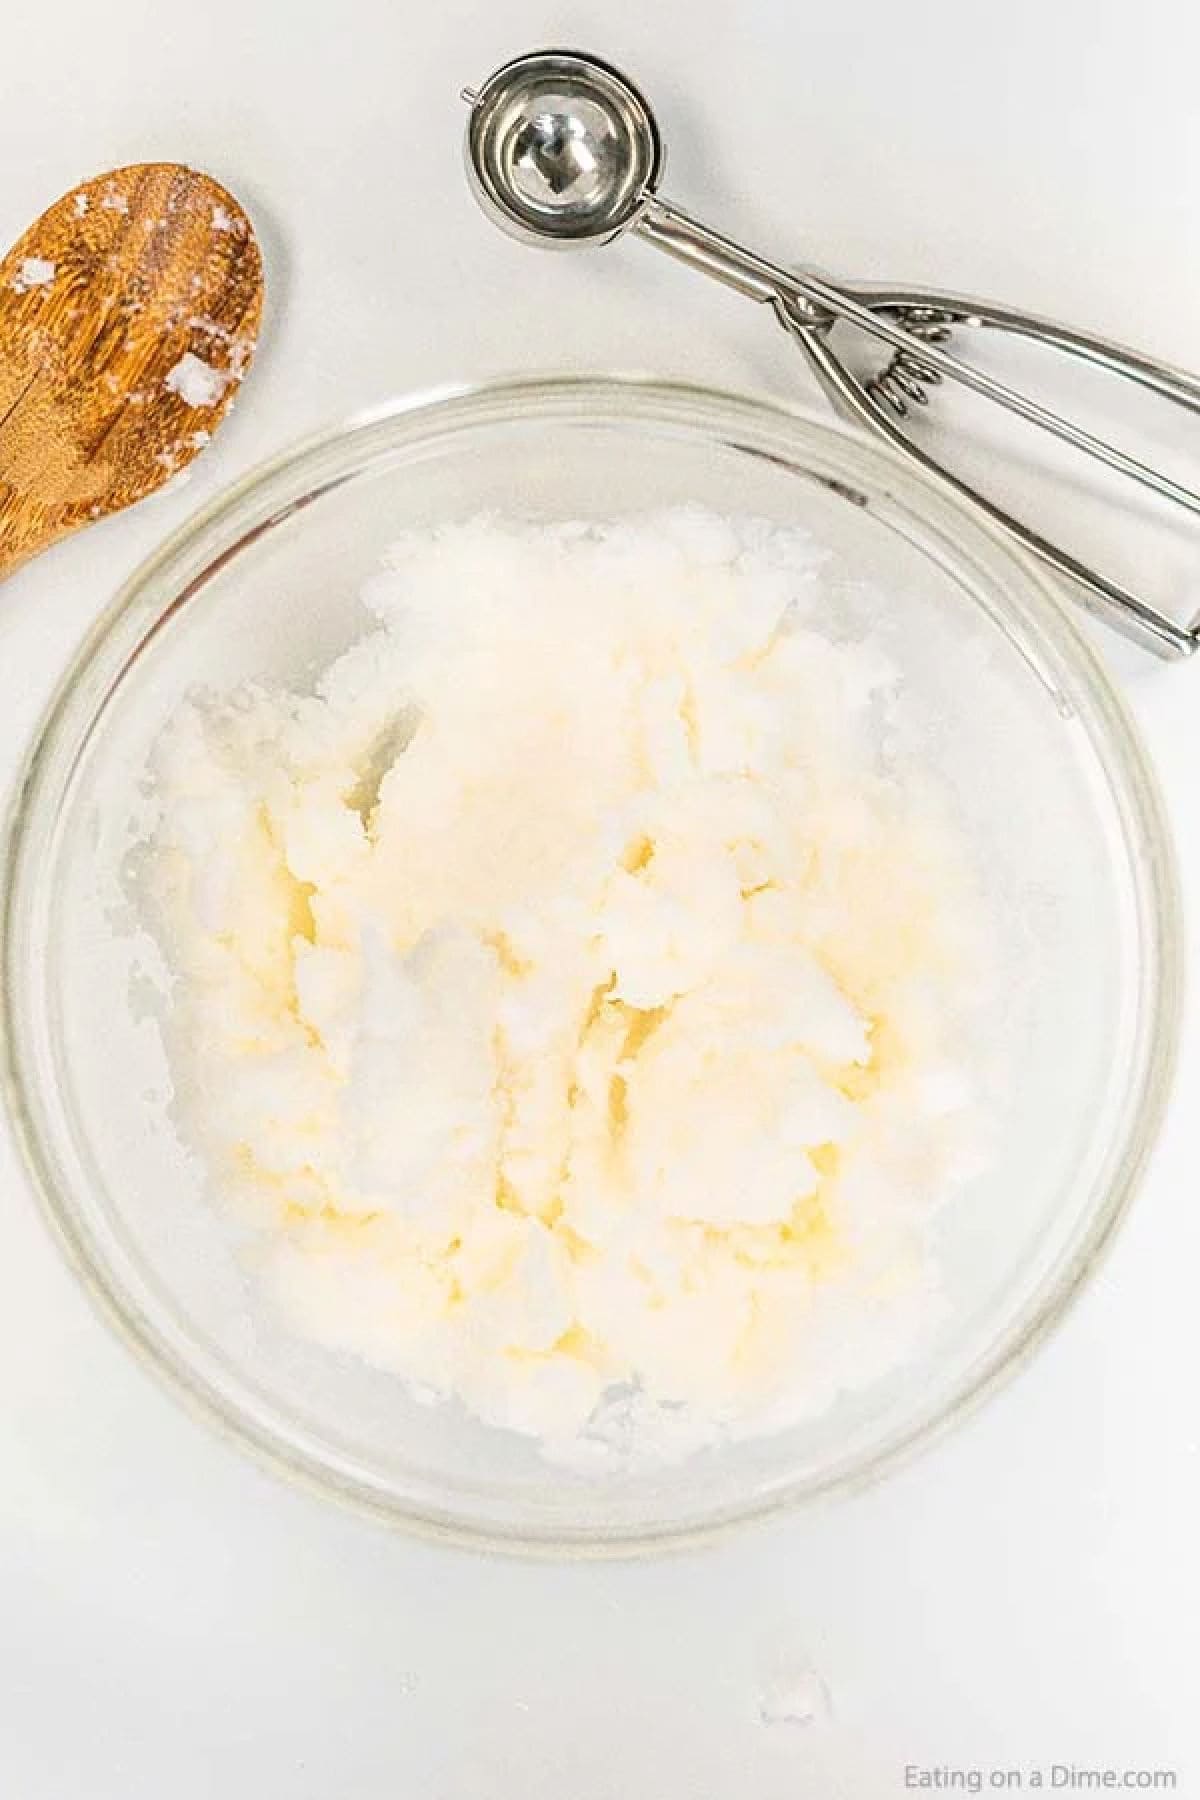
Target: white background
{"x": 173, "y": 1622}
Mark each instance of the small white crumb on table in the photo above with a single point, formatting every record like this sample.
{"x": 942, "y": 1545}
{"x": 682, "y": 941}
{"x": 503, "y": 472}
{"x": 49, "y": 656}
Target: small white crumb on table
{"x": 794, "y": 1696}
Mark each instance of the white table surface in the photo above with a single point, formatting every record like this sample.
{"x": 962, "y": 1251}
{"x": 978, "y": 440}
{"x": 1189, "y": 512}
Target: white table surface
{"x": 175, "y": 1622}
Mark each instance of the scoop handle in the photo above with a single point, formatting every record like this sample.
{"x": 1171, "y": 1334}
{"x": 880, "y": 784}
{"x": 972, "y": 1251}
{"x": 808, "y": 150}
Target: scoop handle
{"x": 866, "y": 404}
{"x": 910, "y": 322}
{"x": 1174, "y": 384}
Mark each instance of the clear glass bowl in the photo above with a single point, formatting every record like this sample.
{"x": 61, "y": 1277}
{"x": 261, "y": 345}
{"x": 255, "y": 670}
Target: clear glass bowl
{"x": 1040, "y": 765}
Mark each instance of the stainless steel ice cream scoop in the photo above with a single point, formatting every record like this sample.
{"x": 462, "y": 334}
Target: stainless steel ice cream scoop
{"x": 564, "y": 150}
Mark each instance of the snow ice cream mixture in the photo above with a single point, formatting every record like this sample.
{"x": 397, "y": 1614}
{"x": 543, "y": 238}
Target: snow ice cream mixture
{"x": 568, "y": 989}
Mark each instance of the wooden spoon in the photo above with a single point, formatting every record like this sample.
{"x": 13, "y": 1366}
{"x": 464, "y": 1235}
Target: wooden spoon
{"x": 128, "y": 315}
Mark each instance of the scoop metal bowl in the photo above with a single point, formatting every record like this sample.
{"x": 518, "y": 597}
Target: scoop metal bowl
{"x": 562, "y": 149}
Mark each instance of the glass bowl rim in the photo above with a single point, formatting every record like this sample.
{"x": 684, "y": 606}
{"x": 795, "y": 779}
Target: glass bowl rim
{"x": 1114, "y": 741}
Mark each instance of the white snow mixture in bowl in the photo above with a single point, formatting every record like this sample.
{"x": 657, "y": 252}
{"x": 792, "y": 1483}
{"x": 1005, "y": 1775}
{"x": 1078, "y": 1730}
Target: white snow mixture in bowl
{"x": 570, "y": 989}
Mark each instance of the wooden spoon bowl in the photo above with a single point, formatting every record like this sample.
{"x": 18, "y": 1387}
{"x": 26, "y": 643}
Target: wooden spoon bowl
{"x": 129, "y": 313}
